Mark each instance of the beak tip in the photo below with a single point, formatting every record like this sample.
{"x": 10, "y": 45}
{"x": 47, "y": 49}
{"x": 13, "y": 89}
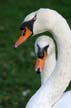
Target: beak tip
{"x": 16, "y": 46}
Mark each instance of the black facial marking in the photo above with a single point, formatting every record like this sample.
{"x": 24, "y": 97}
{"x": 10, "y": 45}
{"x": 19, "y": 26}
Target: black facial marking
{"x": 28, "y": 24}
{"x": 40, "y": 53}
{"x": 45, "y": 48}
{"x": 24, "y": 31}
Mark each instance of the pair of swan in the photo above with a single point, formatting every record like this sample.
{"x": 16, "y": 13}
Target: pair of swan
{"x": 52, "y": 89}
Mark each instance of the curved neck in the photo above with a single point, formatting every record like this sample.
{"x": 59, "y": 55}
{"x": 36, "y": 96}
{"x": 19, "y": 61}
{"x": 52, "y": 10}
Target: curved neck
{"x": 61, "y": 76}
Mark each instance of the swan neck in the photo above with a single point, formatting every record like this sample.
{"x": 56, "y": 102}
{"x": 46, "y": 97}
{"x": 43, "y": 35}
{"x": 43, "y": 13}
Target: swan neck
{"x": 61, "y": 76}
{"x": 49, "y": 67}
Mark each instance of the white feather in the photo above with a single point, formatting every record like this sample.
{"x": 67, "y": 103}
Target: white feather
{"x": 52, "y": 90}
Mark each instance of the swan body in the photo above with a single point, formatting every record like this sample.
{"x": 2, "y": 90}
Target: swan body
{"x": 50, "y": 63}
{"x": 64, "y": 102}
{"x": 49, "y": 20}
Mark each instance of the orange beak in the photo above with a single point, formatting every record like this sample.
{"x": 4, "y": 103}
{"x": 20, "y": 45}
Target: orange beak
{"x": 40, "y": 63}
{"x": 24, "y": 37}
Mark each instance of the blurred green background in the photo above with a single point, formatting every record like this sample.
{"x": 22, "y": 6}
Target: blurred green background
{"x": 18, "y": 80}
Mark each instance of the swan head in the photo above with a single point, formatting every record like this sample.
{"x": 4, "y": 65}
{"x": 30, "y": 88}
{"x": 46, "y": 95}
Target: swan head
{"x": 44, "y": 47}
{"x": 37, "y": 22}
{"x": 26, "y": 29}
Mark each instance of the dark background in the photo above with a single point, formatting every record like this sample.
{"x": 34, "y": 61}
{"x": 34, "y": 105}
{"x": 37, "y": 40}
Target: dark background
{"x": 18, "y": 80}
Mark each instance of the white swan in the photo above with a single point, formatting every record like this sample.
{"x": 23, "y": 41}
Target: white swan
{"x": 45, "y": 66}
{"x": 49, "y": 64}
{"x": 50, "y": 20}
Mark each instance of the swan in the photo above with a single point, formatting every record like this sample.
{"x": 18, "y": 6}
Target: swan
{"x": 45, "y": 44}
{"x": 50, "y": 20}
{"x": 49, "y": 64}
